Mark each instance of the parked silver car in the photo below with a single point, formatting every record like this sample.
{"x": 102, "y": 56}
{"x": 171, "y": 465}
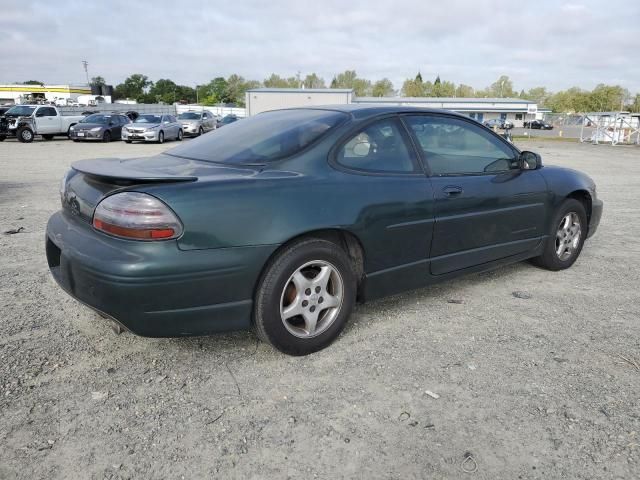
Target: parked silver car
{"x": 153, "y": 128}
{"x": 197, "y": 123}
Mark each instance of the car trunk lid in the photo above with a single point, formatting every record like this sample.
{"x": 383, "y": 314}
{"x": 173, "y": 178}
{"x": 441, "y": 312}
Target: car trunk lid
{"x": 89, "y": 181}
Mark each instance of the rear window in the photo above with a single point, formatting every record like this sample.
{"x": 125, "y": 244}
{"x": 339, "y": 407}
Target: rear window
{"x": 263, "y": 138}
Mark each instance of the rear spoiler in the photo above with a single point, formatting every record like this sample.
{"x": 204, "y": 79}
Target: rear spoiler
{"x": 116, "y": 168}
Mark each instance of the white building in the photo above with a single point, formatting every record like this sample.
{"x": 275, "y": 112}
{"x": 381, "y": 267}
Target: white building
{"x": 260, "y": 100}
{"x": 58, "y": 94}
{"x": 515, "y": 110}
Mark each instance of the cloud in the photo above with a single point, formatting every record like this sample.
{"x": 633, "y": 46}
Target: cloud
{"x": 539, "y": 43}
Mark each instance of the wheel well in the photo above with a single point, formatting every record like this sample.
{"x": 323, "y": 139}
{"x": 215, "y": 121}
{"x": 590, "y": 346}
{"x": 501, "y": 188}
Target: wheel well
{"x": 583, "y": 197}
{"x": 346, "y": 240}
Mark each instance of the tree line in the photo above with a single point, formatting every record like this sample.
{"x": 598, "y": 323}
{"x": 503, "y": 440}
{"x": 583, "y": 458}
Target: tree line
{"x": 231, "y": 90}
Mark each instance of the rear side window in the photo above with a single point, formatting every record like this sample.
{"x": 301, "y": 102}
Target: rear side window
{"x": 456, "y": 147}
{"x": 379, "y": 147}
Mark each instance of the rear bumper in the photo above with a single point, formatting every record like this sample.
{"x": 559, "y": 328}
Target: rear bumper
{"x": 154, "y": 289}
{"x": 596, "y": 215}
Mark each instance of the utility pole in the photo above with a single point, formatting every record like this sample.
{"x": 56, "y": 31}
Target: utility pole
{"x": 85, "y": 64}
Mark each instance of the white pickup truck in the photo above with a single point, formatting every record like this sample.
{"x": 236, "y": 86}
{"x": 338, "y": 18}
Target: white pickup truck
{"x": 27, "y": 121}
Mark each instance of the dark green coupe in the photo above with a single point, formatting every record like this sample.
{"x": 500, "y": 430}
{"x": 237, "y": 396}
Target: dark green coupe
{"x": 284, "y": 220}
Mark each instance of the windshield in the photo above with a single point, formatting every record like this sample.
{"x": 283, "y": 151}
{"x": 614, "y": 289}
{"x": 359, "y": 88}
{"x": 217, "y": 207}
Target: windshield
{"x": 147, "y": 119}
{"x": 265, "y": 137}
{"x": 96, "y": 118}
{"x": 189, "y": 116}
{"x": 21, "y": 110}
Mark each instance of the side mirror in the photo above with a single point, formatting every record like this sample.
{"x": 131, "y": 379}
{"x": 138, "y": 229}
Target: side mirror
{"x": 111, "y": 124}
{"x": 530, "y": 161}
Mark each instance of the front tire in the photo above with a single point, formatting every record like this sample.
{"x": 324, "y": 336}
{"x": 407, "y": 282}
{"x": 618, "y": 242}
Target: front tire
{"x": 305, "y": 297}
{"x": 566, "y": 239}
{"x": 161, "y": 137}
{"x": 25, "y": 135}
{"x": 180, "y": 135}
{"x": 200, "y": 131}
{"x": 106, "y": 136}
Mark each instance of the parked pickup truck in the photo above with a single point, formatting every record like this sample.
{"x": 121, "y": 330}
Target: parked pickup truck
{"x": 27, "y": 121}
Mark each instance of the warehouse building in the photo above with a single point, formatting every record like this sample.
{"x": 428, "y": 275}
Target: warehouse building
{"x": 482, "y": 109}
{"x": 60, "y": 95}
{"x": 260, "y": 100}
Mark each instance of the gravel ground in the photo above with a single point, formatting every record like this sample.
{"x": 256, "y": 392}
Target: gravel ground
{"x": 460, "y": 380}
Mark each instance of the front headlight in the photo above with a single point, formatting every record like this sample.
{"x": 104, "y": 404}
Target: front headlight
{"x": 72, "y": 128}
{"x": 96, "y": 129}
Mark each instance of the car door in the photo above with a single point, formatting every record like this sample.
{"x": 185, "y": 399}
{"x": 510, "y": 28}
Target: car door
{"x": 486, "y": 207}
{"x": 386, "y": 189}
{"x": 47, "y": 120}
{"x": 167, "y": 127}
{"x": 116, "y": 130}
{"x": 207, "y": 123}
{"x": 175, "y": 126}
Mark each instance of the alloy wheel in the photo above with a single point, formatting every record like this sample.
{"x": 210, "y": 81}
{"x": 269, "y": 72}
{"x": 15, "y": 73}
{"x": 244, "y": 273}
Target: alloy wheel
{"x": 311, "y": 299}
{"x": 568, "y": 236}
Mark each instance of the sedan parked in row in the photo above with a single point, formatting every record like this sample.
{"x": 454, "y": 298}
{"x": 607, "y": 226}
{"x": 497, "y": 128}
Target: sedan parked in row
{"x": 538, "y": 124}
{"x": 99, "y": 127}
{"x": 281, "y": 221}
{"x": 226, "y": 120}
{"x": 195, "y": 124}
{"x": 501, "y": 123}
{"x": 153, "y": 128}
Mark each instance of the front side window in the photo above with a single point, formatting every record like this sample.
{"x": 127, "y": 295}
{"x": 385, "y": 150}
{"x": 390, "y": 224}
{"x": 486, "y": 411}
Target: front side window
{"x": 379, "y": 147}
{"x": 453, "y": 146}
{"x": 46, "y": 112}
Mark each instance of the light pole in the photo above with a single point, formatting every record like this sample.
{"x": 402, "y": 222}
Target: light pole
{"x": 85, "y": 64}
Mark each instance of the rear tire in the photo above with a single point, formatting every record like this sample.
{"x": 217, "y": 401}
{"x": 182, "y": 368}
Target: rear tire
{"x": 25, "y": 135}
{"x": 566, "y": 237}
{"x": 313, "y": 277}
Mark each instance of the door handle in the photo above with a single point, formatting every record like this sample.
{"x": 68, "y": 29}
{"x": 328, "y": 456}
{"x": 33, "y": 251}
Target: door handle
{"x": 452, "y": 191}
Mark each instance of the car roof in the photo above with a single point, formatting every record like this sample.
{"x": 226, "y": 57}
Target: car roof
{"x": 363, "y": 110}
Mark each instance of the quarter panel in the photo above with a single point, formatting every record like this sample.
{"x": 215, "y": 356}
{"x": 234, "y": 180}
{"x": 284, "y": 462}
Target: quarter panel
{"x": 392, "y": 216}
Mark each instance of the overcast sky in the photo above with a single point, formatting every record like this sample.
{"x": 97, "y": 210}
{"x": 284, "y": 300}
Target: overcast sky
{"x": 543, "y": 42}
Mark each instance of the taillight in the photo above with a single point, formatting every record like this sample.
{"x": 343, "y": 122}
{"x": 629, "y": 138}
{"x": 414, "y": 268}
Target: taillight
{"x": 136, "y": 216}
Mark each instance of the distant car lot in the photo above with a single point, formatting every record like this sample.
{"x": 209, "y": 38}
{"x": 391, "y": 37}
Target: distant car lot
{"x": 528, "y": 373}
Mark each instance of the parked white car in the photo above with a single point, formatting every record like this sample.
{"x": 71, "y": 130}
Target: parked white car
{"x": 153, "y": 128}
{"x": 196, "y": 123}
{"x": 27, "y": 121}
